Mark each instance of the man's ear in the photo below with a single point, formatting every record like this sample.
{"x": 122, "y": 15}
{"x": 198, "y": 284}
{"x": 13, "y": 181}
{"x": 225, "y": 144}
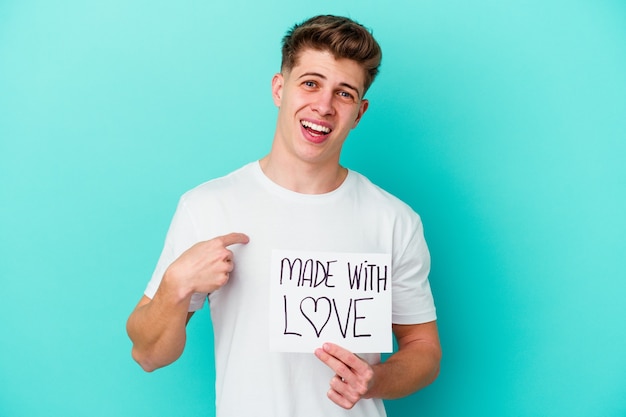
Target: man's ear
{"x": 362, "y": 109}
{"x": 277, "y": 88}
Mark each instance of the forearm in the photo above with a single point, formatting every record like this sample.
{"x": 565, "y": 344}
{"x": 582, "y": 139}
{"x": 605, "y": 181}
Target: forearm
{"x": 157, "y": 329}
{"x": 406, "y": 371}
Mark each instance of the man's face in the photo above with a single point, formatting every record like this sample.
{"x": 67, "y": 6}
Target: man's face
{"x": 320, "y": 100}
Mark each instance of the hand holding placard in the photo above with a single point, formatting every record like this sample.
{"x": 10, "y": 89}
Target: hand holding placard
{"x": 353, "y": 376}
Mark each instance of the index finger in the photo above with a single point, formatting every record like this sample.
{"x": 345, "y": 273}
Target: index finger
{"x": 234, "y": 238}
{"x": 345, "y": 357}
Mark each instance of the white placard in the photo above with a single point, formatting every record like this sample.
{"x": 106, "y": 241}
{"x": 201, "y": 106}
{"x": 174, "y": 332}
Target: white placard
{"x": 343, "y": 298}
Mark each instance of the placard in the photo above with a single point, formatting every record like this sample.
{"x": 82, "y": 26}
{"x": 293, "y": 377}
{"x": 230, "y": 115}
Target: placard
{"x": 343, "y": 298}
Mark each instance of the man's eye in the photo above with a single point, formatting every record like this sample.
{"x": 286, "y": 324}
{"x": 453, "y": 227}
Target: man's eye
{"x": 345, "y": 95}
{"x": 309, "y": 84}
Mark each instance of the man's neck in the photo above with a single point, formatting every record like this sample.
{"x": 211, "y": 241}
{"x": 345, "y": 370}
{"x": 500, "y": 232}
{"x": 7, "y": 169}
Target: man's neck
{"x": 304, "y": 178}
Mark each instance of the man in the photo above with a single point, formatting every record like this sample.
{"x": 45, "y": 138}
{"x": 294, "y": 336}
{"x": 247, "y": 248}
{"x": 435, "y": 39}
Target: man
{"x": 297, "y": 197}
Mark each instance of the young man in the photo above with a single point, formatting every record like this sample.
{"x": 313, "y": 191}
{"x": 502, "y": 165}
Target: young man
{"x": 297, "y": 197}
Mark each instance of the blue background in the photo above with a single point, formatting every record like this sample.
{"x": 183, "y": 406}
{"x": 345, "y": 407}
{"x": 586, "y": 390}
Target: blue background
{"x": 501, "y": 123}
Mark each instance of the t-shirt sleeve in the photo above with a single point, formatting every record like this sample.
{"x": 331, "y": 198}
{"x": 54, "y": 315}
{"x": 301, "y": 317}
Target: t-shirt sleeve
{"x": 182, "y": 234}
{"x": 412, "y": 299}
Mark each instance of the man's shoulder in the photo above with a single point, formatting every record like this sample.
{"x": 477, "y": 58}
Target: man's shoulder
{"x": 380, "y": 197}
{"x": 233, "y": 182}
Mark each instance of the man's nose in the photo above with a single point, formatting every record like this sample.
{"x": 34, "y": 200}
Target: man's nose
{"x": 323, "y": 103}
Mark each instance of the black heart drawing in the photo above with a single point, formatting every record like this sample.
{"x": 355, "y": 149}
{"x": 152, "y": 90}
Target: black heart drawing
{"x": 318, "y": 315}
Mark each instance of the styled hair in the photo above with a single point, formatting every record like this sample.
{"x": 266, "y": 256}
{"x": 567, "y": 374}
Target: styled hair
{"x": 341, "y": 36}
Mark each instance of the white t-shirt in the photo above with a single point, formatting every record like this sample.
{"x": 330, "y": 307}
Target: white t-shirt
{"x": 356, "y": 217}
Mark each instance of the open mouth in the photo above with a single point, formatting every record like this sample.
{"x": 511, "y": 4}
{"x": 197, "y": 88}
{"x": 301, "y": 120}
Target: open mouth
{"x": 314, "y": 129}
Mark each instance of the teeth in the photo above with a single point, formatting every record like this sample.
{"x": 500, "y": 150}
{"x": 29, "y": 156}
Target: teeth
{"x": 315, "y": 127}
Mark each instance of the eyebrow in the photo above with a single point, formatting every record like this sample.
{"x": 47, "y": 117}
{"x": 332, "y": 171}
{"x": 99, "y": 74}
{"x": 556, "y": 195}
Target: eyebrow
{"x": 343, "y": 84}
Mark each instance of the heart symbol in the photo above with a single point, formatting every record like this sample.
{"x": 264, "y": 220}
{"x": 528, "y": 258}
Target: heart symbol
{"x": 317, "y": 315}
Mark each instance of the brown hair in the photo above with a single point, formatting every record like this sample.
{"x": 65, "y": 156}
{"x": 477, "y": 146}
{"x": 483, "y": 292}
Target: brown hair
{"x": 342, "y": 37}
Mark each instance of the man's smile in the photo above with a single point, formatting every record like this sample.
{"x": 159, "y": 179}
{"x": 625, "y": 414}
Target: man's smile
{"x": 314, "y": 128}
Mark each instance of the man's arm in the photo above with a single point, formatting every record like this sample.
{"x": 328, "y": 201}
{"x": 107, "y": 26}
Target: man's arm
{"x": 414, "y": 366}
{"x": 157, "y": 330}
{"x": 157, "y": 327}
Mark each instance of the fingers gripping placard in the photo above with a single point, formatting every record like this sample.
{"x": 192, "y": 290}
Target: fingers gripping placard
{"x": 318, "y": 297}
